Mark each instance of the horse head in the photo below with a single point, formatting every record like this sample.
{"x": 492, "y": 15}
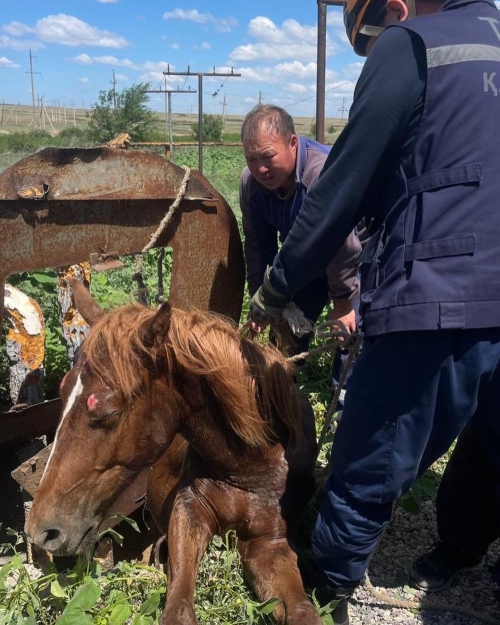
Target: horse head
{"x": 117, "y": 419}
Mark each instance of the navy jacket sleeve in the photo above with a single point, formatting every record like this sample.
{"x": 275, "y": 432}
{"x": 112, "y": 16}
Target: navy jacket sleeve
{"x": 389, "y": 91}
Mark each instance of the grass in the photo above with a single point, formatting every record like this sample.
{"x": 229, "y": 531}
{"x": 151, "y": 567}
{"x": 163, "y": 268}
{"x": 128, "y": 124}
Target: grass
{"x": 131, "y": 592}
{"x": 19, "y": 118}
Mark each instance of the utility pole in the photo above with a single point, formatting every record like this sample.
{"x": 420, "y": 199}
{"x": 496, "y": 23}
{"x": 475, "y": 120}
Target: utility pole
{"x": 342, "y": 110}
{"x": 223, "y": 111}
{"x": 31, "y": 72}
{"x": 200, "y": 102}
{"x": 168, "y": 107}
{"x": 260, "y": 97}
{"x": 113, "y": 82}
{"x": 40, "y": 112}
{"x": 321, "y": 67}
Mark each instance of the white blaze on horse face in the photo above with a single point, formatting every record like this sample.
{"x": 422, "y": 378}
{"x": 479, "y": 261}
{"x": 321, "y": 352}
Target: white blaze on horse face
{"x": 76, "y": 391}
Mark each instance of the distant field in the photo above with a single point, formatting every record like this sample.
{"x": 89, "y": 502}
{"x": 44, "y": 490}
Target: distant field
{"x": 20, "y": 118}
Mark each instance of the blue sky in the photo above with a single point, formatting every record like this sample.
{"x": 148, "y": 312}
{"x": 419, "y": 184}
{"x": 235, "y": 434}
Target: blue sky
{"x": 77, "y": 44}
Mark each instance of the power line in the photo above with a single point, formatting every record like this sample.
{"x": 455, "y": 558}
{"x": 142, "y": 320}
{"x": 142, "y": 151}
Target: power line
{"x": 113, "y": 82}
{"x": 200, "y": 76}
{"x": 31, "y": 72}
{"x": 168, "y": 107}
{"x": 342, "y": 110}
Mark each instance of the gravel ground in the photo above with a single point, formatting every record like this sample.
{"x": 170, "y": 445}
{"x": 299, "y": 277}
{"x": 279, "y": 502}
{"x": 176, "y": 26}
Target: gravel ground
{"x": 408, "y": 537}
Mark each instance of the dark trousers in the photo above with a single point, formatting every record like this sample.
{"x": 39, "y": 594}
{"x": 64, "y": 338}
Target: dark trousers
{"x": 468, "y": 501}
{"x": 409, "y": 396}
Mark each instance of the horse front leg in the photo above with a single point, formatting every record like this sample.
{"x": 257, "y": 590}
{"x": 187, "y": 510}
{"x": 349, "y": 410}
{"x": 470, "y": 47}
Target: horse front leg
{"x": 270, "y": 568}
{"x": 190, "y": 529}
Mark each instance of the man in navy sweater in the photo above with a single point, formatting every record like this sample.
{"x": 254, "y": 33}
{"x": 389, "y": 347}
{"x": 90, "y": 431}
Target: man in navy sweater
{"x": 418, "y": 161}
{"x": 281, "y": 167}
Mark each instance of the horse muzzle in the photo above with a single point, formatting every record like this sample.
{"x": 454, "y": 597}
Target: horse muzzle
{"x": 61, "y": 538}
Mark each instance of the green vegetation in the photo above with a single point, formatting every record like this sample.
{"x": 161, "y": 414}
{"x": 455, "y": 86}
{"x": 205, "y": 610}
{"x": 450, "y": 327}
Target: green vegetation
{"x": 129, "y": 592}
{"x": 124, "y": 111}
{"x": 212, "y": 128}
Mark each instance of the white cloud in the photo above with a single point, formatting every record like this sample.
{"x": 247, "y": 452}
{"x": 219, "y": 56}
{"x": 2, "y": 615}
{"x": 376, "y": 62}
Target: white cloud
{"x": 71, "y": 31}
{"x": 112, "y": 60}
{"x": 297, "y": 88}
{"x": 107, "y": 1}
{"x": 155, "y": 77}
{"x": 223, "y": 25}
{"x": 5, "y": 62}
{"x": 16, "y": 29}
{"x": 155, "y": 66}
{"x": 20, "y": 45}
{"x": 84, "y": 79}
{"x": 275, "y": 74}
{"x": 83, "y": 59}
{"x": 122, "y": 77}
{"x": 353, "y": 70}
{"x": 290, "y": 41}
{"x": 205, "y": 46}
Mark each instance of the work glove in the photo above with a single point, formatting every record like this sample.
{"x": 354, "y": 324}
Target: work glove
{"x": 267, "y": 304}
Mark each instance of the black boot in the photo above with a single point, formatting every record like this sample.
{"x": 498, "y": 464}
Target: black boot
{"x": 336, "y": 602}
{"x": 334, "y": 598}
{"x": 436, "y": 570}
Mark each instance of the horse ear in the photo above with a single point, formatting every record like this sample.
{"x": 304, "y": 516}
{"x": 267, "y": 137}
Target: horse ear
{"x": 157, "y": 327}
{"x": 86, "y": 306}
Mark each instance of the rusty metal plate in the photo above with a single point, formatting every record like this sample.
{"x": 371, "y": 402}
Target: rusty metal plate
{"x": 20, "y": 426}
{"x": 106, "y": 202}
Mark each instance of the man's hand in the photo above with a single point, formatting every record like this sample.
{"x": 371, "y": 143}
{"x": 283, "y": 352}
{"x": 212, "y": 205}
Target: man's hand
{"x": 345, "y": 313}
{"x": 266, "y": 305}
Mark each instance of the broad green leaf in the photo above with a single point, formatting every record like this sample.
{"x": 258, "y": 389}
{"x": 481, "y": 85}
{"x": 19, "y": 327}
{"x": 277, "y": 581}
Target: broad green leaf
{"x": 56, "y": 590}
{"x": 44, "y": 278}
{"x": 84, "y": 599}
{"x": 26, "y": 620}
{"x": 121, "y": 517}
{"x": 140, "y": 619}
{"x": 119, "y": 614}
{"x": 268, "y": 606}
{"x": 5, "y": 570}
{"x": 118, "y": 537}
{"x": 151, "y": 604}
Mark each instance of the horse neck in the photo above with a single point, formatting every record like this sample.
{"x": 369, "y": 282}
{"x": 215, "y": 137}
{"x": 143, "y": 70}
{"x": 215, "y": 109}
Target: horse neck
{"x": 211, "y": 438}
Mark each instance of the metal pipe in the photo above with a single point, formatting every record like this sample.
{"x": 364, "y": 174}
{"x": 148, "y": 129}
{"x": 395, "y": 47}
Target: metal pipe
{"x": 200, "y": 123}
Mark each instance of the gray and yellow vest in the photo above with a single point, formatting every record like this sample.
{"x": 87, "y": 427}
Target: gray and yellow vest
{"x": 435, "y": 261}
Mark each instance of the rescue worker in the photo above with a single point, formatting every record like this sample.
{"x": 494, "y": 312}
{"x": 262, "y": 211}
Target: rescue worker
{"x": 281, "y": 167}
{"x": 419, "y": 160}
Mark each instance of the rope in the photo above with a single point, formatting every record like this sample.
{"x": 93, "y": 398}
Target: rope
{"x": 351, "y": 341}
{"x": 340, "y": 337}
{"x": 158, "y": 232}
{"x": 428, "y": 605}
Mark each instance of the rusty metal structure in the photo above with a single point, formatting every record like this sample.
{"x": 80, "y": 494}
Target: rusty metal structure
{"x": 60, "y": 207}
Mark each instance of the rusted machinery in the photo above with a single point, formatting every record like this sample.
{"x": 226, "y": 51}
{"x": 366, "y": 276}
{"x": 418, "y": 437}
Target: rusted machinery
{"x": 59, "y": 207}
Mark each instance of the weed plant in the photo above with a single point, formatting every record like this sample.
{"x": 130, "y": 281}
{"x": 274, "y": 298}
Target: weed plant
{"x": 130, "y": 593}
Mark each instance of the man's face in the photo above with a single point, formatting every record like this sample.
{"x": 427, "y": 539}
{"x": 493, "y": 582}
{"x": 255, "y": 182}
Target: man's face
{"x": 271, "y": 160}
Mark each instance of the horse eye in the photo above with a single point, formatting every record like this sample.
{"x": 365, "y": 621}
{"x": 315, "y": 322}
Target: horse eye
{"x": 104, "y": 419}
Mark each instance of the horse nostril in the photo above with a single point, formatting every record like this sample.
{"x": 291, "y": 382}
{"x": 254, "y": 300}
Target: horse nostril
{"x": 51, "y": 536}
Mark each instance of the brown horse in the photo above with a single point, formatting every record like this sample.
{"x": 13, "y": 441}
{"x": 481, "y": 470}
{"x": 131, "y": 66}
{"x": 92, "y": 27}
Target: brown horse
{"x": 241, "y": 448}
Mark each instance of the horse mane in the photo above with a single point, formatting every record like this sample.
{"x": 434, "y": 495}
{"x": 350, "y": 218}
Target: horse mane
{"x": 251, "y": 382}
